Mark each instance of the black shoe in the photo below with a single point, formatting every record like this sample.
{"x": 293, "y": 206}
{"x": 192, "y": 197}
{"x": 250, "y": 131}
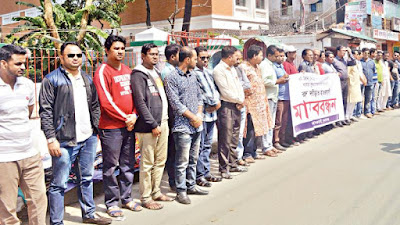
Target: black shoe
{"x": 97, "y": 220}
{"x": 346, "y": 122}
{"x": 226, "y": 176}
{"x": 182, "y": 198}
{"x": 239, "y": 169}
{"x": 203, "y": 182}
{"x": 285, "y": 145}
{"x": 339, "y": 124}
{"x": 197, "y": 191}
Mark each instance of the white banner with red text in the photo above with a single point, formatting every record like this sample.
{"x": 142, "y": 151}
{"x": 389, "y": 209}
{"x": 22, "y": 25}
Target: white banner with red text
{"x": 315, "y": 101}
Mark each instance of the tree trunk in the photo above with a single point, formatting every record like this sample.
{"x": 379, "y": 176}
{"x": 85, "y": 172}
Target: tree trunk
{"x": 187, "y": 16}
{"x": 148, "y": 20}
{"x": 84, "y": 22}
{"x": 48, "y": 17}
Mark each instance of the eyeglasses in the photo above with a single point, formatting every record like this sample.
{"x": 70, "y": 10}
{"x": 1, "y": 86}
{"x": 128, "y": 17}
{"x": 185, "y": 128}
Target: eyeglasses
{"x": 79, "y": 55}
{"x": 205, "y": 57}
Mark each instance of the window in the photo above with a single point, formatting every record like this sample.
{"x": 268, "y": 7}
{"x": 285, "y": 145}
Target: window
{"x": 33, "y": 12}
{"x": 241, "y": 3}
{"x": 260, "y": 4}
{"x": 316, "y": 7}
{"x": 286, "y": 7}
{"x": 8, "y": 18}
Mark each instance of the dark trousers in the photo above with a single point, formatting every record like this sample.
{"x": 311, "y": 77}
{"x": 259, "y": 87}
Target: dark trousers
{"x": 228, "y": 125}
{"x": 345, "y": 91}
{"x": 203, "y": 167}
{"x": 118, "y": 149}
{"x": 170, "y": 164}
{"x": 281, "y": 120}
{"x": 249, "y": 143}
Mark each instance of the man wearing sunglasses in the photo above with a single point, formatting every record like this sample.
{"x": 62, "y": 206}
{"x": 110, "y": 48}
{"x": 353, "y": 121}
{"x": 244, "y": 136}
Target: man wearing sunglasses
{"x": 69, "y": 113}
{"x": 211, "y": 105}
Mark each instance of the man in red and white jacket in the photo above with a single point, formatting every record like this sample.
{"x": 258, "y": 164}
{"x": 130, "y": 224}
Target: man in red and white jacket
{"x": 118, "y": 117}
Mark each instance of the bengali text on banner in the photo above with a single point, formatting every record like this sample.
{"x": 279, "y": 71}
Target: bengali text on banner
{"x": 315, "y": 101}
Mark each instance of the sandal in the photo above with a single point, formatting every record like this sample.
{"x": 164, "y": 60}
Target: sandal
{"x": 133, "y": 206}
{"x": 214, "y": 179}
{"x": 152, "y": 205}
{"x": 259, "y": 157}
{"x": 115, "y": 211}
{"x": 271, "y": 153}
{"x": 277, "y": 151}
{"x": 163, "y": 198}
{"x": 203, "y": 182}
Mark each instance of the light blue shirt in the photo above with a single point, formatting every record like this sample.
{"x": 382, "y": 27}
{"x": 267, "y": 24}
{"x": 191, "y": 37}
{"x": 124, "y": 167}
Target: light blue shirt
{"x": 283, "y": 93}
{"x": 167, "y": 70}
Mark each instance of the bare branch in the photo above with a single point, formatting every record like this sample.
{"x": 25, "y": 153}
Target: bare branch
{"x": 178, "y": 10}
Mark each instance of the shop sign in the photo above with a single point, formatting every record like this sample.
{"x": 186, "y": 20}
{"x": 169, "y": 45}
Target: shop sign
{"x": 396, "y": 24}
{"x": 385, "y": 35}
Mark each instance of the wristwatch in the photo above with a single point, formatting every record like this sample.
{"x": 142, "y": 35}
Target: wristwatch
{"x": 51, "y": 140}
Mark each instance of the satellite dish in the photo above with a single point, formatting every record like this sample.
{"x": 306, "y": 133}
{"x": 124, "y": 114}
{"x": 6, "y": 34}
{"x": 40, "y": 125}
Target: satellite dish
{"x": 309, "y": 2}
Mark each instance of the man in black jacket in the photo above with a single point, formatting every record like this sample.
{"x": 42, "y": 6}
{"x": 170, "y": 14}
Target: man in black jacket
{"x": 69, "y": 113}
{"x": 151, "y": 126}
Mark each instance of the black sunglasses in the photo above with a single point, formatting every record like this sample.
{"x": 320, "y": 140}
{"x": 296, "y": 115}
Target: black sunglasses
{"x": 205, "y": 57}
{"x": 73, "y": 55}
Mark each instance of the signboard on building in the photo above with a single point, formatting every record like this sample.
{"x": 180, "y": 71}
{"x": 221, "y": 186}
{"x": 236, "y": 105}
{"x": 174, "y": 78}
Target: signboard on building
{"x": 396, "y": 24}
{"x": 355, "y": 12}
{"x": 385, "y": 35}
{"x": 391, "y": 9}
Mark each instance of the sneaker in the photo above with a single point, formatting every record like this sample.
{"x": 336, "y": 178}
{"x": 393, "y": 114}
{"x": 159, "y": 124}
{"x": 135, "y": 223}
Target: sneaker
{"x": 279, "y": 147}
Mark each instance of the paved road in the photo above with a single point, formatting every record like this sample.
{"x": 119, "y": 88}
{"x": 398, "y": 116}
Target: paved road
{"x": 347, "y": 176}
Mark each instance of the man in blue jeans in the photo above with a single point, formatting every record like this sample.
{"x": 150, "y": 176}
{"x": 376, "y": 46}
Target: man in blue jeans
{"x": 211, "y": 105}
{"x": 369, "y": 71}
{"x": 69, "y": 113}
{"x": 186, "y": 102}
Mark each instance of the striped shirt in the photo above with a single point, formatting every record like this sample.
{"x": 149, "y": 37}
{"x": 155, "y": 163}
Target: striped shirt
{"x": 15, "y": 130}
{"x": 209, "y": 91}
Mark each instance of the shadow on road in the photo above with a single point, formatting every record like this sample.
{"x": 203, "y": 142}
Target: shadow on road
{"x": 391, "y": 147}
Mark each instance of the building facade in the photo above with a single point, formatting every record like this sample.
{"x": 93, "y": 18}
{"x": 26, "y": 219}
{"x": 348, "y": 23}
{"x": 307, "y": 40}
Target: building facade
{"x": 218, "y": 16}
{"x": 286, "y": 15}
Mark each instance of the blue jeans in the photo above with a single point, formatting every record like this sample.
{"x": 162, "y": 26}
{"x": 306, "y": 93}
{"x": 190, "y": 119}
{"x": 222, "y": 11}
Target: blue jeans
{"x": 240, "y": 147}
{"x": 395, "y": 94}
{"x": 86, "y": 151}
{"x": 203, "y": 162}
{"x": 187, "y": 150}
{"x": 368, "y": 98}
{"x": 118, "y": 146}
{"x": 359, "y": 107}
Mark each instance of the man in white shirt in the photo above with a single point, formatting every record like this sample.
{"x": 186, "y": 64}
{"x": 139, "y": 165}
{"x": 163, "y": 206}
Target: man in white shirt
{"x": 20, "y": 163}
{"x": 232, "y": 99}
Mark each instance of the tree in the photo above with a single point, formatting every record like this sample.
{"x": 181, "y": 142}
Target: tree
{"x": 171, "y": 19}
{"x": 187, "y": 16}
{"x": 148, "y": 20}
{"x": 70, "y": 21}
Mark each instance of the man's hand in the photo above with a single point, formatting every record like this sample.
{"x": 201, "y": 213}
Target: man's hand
{"x": 196, "y": 121}
{"x": 210, "y": 109}
{"x": 218, "y": 106}
{"x": 54, "y": 149}
{"x": 284, "y": 79}
{"x": 240, "y": 106}
{"x": 156, "y": 131}
{"x": 130, "y": 121}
